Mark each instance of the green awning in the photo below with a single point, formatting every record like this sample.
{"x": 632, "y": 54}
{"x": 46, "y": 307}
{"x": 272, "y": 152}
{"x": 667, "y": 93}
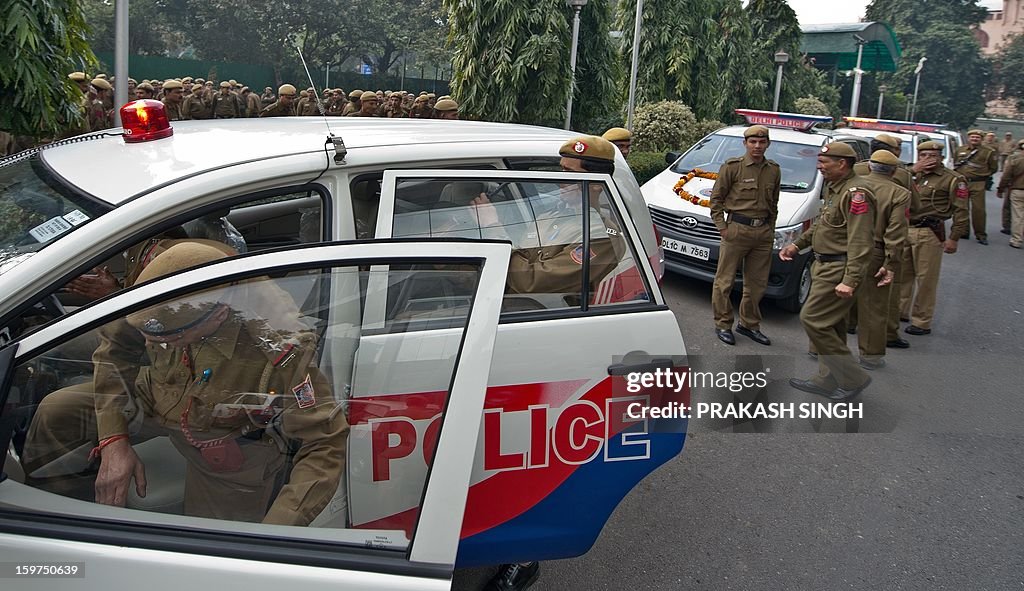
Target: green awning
{"x": 834, "y": 46}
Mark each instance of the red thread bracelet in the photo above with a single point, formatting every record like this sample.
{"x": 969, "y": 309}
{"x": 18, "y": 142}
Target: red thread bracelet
{"x": 95, "y": 453}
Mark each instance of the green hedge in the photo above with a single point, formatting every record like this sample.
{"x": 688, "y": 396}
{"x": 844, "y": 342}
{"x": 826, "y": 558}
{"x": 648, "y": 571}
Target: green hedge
{"x": 646, "y": 165}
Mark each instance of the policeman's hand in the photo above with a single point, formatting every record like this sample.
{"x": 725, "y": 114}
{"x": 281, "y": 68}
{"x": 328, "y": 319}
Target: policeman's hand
{"x": 100, "y": 283}
{"x": 949, "y": 246}
{"x": 118, "y": 465}
{"x": 788, "y": 252}
{"x": 924, "y": 166}
{"x": 485, "y": 210}
{"x": 885, "y": 275}
{"x": 844, "y": 291}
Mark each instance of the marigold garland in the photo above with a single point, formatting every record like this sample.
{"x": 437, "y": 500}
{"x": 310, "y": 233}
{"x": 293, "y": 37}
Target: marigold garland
{"x": 696, "y": 172}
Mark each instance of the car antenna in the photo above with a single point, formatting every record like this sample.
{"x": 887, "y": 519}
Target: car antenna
{"x": 340, "y": 151}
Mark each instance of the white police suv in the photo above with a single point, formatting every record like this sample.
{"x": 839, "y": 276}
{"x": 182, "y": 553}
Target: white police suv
{"x": 485, "y": 424}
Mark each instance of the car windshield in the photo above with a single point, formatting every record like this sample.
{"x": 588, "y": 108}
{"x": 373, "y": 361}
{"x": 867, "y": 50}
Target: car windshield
{"x": 36, "y": 209}
{"x": 798, "y": 161}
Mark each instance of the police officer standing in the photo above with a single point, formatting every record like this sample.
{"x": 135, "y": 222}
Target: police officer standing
{"x": 748, "y": 190}
{"x": 1011, "y": 190}
{"x": 285, "y": 105}
{"x": 890, "y": 237}
{"x": 977, "y": 162}
{"x": 842, "y": 237}
{"x": 621, "y": 137}
{"x": 173, "y": 97}
{"x": 943, "y": 195}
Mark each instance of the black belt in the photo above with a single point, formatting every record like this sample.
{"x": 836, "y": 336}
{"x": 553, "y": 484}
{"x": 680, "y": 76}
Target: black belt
{"x": 752, "y": 222}
{"x": 828, "y": 258}
{"x": 925, "y": 222}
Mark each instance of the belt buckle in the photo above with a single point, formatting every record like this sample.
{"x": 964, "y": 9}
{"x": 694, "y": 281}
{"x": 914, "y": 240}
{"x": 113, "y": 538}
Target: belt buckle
{"x": 756, "y": 223}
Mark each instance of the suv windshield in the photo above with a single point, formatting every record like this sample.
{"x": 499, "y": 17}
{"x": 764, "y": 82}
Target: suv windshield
{"x": 798, "y": 161}
{"x": 35, "y": 209}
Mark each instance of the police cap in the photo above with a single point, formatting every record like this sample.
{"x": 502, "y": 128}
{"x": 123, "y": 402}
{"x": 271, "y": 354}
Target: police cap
{"x": 101, "y": 84}
{"x": 885, "y": 157}
{"x": 446, "y": 105}
{"x": 976, "y": 132}
{"x": 172, "y": 84}
{"x": 225, "y": 85}
{"x": 617, "y": 134}
{"x": 756, "y": 131}
{"x": 286, "y": 90}
{"x": 838, "y": 150}
{"x": 589, "y": 147}
{"x": 929, "y": 145}
{"x": 355, "y": 94}
{"x": 78, "y": 76}
{"x": 888, "y": 140}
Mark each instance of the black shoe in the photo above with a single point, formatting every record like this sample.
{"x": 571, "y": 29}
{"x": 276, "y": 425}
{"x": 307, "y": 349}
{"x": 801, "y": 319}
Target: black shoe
{"x": 872, "y": 364}
{"x": 842, "y": 394}
{"x": 755, "y": 335}
{"x": 514, "y": 577}
{"x": 904, "y": 319}
{"x": 809, "y": 386}
{"x": 916, "y": 330}
{"x": 983, "y": 241}
{"x": 725, "y": 335}
{"x": 898, "y": 343}
{"x": 851, "y": 330}
{"x": 1004, "y": 231}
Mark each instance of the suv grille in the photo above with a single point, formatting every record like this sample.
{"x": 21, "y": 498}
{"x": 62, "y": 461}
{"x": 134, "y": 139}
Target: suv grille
{"x": 674, "y": 221}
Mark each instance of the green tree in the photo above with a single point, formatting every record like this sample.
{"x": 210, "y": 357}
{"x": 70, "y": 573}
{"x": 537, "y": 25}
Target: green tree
{"x": 154, "y": 29}
{"x": 43, "y": 40}
{"x": 597, "y": 68}
{"x": 510, "y": 59}
{"x": 696, "y": 51}
{"x": 956, "y": 74}
{"x": 1009, "y": 73}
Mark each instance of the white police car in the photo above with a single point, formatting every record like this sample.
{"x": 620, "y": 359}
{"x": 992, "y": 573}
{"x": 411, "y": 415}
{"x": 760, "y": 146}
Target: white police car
{"x": 910, "y": 135}
{"x": 485, "y": 426}
{"x": 691, "y": 240}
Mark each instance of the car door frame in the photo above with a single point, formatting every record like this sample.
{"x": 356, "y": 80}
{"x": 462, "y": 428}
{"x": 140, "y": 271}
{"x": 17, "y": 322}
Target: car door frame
{"x": 432, "y": 551}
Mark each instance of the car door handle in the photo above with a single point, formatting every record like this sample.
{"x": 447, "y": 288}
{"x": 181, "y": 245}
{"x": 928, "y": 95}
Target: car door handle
{"x": 621, "y": 369}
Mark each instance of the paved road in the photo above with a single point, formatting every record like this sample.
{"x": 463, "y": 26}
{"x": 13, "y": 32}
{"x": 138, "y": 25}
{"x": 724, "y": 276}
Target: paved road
{"x": 929, "y": 494}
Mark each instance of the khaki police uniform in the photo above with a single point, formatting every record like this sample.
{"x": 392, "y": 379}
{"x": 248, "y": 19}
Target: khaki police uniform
{"x": 1011, "y": 187}
{"x": 278, "y": 109}
{"x": 873, "y": 302}
{"x": 943, "y": 195}
{"x": 227, "y": 106}
{"x": 748, "y": 192}
{"x": 977, "y": 165}
{"x": 843, "y": 239}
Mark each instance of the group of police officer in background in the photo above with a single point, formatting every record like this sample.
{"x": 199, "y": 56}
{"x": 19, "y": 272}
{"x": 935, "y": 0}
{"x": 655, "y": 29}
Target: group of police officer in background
{"x": 195, "y": 98}
{"x": 877, "y": 244}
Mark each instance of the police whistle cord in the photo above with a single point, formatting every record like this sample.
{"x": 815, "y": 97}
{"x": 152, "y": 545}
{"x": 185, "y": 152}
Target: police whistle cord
{"x": 25, "y": 154}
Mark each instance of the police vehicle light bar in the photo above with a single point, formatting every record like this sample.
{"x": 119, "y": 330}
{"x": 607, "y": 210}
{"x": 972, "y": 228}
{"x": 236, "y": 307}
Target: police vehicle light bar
{"x": 144, "y": 120}
{"x": 787, "y": 120}
{"x": 891, "y": 125}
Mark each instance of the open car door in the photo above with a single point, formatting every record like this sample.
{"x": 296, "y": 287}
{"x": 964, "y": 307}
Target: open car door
{"x": 248, "y": 434}
{"x": 559, "y": 448}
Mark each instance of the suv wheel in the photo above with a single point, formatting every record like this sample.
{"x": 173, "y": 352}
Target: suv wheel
{"x": 796, "y": 300}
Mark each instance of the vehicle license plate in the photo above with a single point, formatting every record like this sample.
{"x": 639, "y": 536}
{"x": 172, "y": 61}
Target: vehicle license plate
{"x": 690, "y": 250}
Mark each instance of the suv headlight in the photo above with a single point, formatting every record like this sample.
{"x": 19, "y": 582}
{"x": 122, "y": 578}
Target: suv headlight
{"x": 787, "y": 235}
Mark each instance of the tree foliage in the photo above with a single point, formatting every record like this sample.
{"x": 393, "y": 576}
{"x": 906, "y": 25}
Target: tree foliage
{"x": 1010, "y": 69}
{"x": 43, "y": 40}
{"x": 510, "y": 59}
{"x": 956, "y": 73}
{"x": 153, "y": 28}
{"x": 597, "y": 69}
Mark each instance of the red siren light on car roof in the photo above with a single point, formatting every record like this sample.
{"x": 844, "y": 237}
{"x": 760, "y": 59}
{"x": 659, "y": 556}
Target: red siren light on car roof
{"x": 145, "y": 120}
{"x": 891, "y": 125}
{"x": 788, "y": 120}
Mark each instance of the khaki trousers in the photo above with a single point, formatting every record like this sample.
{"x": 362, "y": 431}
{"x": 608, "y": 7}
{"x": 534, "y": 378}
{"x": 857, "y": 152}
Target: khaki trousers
{"x": 1016, "y": 199}
{"x": 922, "y": 273}
{"x": 824, "y": 320}
{"x": 63, "y": 430}
{"x": 892, "y": 318}
{"x": 872, "y": 311}
{"x": 751, "y": 247}
{"x": 978, "y": 209}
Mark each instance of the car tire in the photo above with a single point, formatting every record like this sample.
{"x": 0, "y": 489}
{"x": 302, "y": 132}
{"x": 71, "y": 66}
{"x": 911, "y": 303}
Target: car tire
{"x": 795, "y": 301}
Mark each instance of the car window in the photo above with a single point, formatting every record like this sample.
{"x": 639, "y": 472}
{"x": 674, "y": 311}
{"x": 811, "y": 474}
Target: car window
{"x": 35, "y": 209}
{"x": 797, "y": 161}
{"x": 244, "y": 401}
{"x": 545, "y": 222}
{"x": 268, "y": 219}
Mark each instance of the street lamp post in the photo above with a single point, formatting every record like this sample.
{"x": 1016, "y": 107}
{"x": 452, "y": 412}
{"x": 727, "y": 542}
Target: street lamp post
{"x": 881, "y": 99}
{"x": 635, "y": 65}
{"x": 781, "y": 57}
{"x": 576, "y": 5}
{"x": 917, "y": 86}
{"x": 857, "y": 74}
{"x": 120, "y": 57}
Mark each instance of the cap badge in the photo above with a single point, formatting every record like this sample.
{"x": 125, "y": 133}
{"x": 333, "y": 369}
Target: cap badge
{"x": 579, "y": 147}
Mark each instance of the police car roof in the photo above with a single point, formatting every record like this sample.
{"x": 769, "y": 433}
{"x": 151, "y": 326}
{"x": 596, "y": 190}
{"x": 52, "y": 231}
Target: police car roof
{"x": 113, "y": 171}
{"x": 870, "y": 133}
{"x": 781, "y": 134}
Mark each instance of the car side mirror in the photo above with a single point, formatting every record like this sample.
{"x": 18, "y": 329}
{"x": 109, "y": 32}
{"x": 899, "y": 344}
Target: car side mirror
{"x": 671, "y": 157}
